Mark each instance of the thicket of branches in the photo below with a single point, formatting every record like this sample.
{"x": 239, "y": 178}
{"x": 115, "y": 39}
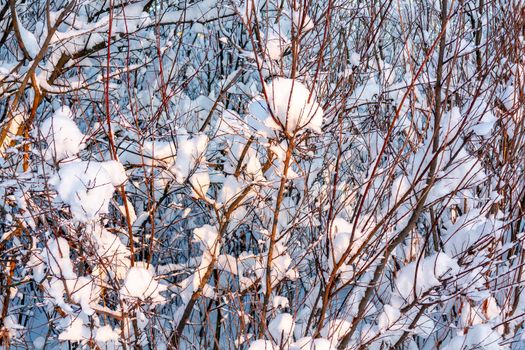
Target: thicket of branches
{"x": 249, "y": 174}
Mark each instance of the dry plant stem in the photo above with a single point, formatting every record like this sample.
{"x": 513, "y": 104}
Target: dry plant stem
{"x": 273, "y": 234}
{"x": 176, "y": 335}
{"x": 114, "y": 156}
{"x": 334, "y": 273}
{"x": 113, "y": 149}
{"x": 4, "y": 333}
{"x": 224, "y": 221}
{"x": 378, "y": 273}
{"x": 5, "y": 140}
{"x": 421, "y": 201}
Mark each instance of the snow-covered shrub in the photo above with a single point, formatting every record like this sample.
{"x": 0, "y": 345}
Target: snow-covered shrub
{"x": 245, "y": 174}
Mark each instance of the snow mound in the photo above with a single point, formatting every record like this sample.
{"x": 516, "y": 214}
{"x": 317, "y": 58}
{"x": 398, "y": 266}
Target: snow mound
{"x": 189, "y": 150}
{"x": 62, "y": 135}
{"x": 262, "y": 345}
{"x": 29, "y": 40}
{"x": 290, "y": 107}
{"x": 106, "y": 334}
{"x": 425, "y": 275}
{"x": 87, "y": 187}
{"x": 140, "y": 283}
{"x": 281, "y": 328}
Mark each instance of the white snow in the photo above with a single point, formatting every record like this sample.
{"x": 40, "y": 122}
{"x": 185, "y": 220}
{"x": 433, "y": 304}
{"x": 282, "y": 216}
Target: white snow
{"x": 484, "y": 118}
{"x": 308, "y": 343}
{"x": 429, "y": 272}
{"x": 189, "y": 150}
{"x": 228, "y": 263}
{"x": 84, "y": 291}
{"x": 12, "y": 326}
{"x": 231, "y": 188}
{"x": 355, "y": 59}
{"x": 480, "y": 336}
{"x": 87, "y": 187}
{"x": 207, "y": 235}
{"x": 140, "y": 284}
{"x": 147, "y": 153}
{"x": 200, "y": 182}
{"x": 341, "y": 234}
{"x": 201, "y": 11}
{"x": 29, "y": 40}
{"x": 302, "y": 20}
{"x": 116, "y": 172}
{"x": 281, "y": 328}
{"x": 291, "y": 103}
{"x": 62, "y": 135}
{"x": 65, "y": 228}
{"x": 251, "y": 166}
{"x": 57, "y": 258}
{"x": 467, "y": 230}
{"x": 112, "y": 251}
{"x": 275, "y": 45}
{"x": 282, "y": 265}
{"x": 388, "y": 317}
{"x": 262, "y": 345}
{"x": 280, "y": 301}
{"x": 76, "y": 331}
{"x": 106, "y": 334}
{"x": 335, "y": 330}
